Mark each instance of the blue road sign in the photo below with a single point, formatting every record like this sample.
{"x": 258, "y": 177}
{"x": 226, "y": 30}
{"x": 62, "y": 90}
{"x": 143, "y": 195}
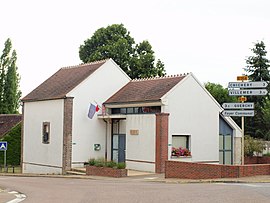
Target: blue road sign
{"x": 3, "y": 145}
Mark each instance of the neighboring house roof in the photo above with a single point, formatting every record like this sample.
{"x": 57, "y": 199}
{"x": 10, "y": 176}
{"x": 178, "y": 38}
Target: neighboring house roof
{"x": 8, "y": 121}
{"x": 145, "y": 90}
{"x": 62, "y": 82}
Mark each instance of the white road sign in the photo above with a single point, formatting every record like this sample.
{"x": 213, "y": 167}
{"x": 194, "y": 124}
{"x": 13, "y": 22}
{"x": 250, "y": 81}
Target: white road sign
{"x": 248, "y": 105}
{"x": 259, "y": 84}
{"x": 247, "y": 92}
{"x": 3, "y": 145}
{"x": 238, "y": 113}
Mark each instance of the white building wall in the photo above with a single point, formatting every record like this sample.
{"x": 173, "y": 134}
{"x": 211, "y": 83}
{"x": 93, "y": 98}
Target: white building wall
{"x": 100, "y": 85}
{"x": 140, "y": 149}
{"x": 194, "y": 113}
{"x": 38, "y": 157}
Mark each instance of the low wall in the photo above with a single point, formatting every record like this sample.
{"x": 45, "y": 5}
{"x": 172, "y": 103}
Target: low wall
{"x": 187, "y": 170}
{"x": 106, "y": 171}
{"x": 257, "y": 160}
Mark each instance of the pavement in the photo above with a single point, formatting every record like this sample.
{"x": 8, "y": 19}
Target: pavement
{"x": 7, "y": 196}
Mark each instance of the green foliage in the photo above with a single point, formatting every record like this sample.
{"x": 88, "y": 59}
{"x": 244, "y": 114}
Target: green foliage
{"x": 9, "y": 81}
{"x": 115, "y": 42}
{"x": 267, "y": 154}
{"x": 253, "y": 146}
{"x": 92, "y": 162}
{"x": 101, "y": 162}
{"x": 13, "y": 152}
{"x": 121, "y": 165}
{"x": 111, "y": 164}
{"x": 220, "y": 93}
{"x": 258, "y": 70}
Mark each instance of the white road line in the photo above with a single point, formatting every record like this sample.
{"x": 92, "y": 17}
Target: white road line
{"x": 19, "y": 197}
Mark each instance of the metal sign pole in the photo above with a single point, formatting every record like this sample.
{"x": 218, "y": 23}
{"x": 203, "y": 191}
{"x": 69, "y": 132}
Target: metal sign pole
{"x": 5, "y": 160}
{"x": 243, "y": 140}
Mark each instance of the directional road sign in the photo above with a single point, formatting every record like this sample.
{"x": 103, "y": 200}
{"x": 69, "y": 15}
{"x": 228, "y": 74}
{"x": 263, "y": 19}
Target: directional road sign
{"x": 260, "y": 84}
{"x": 238, "y": 113}
{"x": 3, "y": 146}
{"x": 247, "y": 92}
{"x": 248, "y": 105}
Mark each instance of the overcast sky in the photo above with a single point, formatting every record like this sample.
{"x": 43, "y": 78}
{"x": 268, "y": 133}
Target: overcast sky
{"x": 211, "y": 38}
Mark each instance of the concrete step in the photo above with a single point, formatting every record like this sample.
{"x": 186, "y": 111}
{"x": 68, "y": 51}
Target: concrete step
{"x": 72, "y": 172}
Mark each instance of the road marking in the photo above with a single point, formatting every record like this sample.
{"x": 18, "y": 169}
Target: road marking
{"x": 19, "y": 197}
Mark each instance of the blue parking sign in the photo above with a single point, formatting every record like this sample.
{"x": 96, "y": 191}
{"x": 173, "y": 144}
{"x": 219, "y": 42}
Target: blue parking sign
{"x": 3, "y": 145}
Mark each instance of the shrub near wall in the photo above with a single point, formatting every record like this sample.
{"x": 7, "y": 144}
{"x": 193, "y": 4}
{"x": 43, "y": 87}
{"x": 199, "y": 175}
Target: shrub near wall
{"x": 257, "y": 160}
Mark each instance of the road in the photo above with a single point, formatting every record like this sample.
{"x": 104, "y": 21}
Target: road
{"x": 66, "y": 190}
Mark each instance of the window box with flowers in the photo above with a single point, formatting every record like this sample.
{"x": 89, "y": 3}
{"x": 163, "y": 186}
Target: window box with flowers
{"x": 180, "y": 152}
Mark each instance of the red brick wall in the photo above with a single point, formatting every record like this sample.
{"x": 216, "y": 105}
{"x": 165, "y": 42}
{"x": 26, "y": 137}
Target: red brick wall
{"x": 187, "y": 170}
{"x": 161, "y": 141}
{"x": 106, "y": 171}
{"x": 257, "y": 160}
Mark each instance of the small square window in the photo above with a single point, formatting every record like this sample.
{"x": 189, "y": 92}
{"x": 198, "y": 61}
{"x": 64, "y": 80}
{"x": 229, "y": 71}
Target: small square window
{"x": 46, "y": 133}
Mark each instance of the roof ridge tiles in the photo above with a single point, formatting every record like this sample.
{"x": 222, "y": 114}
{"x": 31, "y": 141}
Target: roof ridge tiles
{"x": 85, "y": 64}
{"x": 159, "y": 77}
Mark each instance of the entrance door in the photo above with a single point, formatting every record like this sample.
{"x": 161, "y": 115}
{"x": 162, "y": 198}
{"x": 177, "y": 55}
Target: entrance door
{"x": 118, "y": 141}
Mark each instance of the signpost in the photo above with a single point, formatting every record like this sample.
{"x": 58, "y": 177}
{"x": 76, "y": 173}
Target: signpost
{"x": 3, "y": 147}
{"x": 243, "y": 89}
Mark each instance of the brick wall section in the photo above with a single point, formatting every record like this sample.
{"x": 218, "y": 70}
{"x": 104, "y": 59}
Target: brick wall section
{"x": 105, "y": 171}
{"x": 257, "y": 160}
{"x": 67, "y": 134}
{"x": 187, "y": 170}
{"x": 162, "y": 120}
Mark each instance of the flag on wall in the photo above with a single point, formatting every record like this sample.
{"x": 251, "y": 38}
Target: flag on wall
{"x": 92, "y": 110}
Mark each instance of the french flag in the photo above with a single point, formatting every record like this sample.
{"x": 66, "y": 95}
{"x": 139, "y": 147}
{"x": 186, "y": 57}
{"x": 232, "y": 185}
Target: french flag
{"x": 92, "y": 110}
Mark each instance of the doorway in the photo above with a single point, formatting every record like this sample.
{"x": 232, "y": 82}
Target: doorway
{"x": 118, "y": 140}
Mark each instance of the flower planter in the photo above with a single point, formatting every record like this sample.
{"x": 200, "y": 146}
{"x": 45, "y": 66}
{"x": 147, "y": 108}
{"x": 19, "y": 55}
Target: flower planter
{"x": 105, "y": 171}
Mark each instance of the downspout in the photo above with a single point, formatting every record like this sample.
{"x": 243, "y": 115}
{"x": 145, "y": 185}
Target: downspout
{"x": 106, "y": 136}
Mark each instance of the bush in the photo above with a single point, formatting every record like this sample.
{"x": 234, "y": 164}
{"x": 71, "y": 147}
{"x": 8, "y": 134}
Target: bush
{"x": 92, "y": 162}
{"x": 111, "y": 164}
{"x": 253, "y": 146}
{"x": 267, "y": 154}
{"x": 121, "y": 165}
{"x": 100, "y": 162}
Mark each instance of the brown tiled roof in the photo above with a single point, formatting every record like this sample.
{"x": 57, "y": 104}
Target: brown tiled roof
{"x": 8, "y": 121}
{"x": 145, "y": 90}
{"x": 62, "y": 82}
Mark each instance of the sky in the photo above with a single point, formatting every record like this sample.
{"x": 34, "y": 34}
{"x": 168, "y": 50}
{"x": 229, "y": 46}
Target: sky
{"x": 210, "y": 38}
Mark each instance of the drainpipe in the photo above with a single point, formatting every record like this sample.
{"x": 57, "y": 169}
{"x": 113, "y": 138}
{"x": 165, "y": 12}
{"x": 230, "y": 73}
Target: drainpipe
{"x": 106, "y": 136}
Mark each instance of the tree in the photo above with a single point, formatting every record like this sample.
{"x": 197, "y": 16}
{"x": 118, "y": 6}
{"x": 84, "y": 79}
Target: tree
{"x": 258, "y": 70}
{"x": 115, "y": 42}
{"x": 219, "y": 93}
{"x": 9, "y": 81}
{"x": 14, "y": 146}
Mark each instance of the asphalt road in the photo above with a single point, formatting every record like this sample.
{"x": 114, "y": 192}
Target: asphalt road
{"x": 66, "y": 190}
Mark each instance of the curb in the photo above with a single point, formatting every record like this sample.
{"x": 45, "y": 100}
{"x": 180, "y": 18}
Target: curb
{"x": 257, "y": 179}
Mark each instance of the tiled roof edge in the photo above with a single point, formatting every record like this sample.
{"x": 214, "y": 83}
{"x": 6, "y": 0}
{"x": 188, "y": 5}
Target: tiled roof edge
{"x": 162, "y": 77}
{"x": 85, "y": 64}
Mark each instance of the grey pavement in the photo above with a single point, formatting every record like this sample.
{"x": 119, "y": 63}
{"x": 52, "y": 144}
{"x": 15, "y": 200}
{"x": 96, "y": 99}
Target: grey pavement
{"x": 6, "y": 196}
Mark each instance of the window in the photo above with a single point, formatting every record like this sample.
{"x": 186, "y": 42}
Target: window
{"x": 46, "y": 133}
{"x": 137, "y": 110}
{"x": 180, "y": 141}
{"x": 181, "y": 145}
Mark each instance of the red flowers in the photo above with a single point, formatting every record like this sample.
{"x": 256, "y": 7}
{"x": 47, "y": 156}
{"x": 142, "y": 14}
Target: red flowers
{"x": 180, "y": 152}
